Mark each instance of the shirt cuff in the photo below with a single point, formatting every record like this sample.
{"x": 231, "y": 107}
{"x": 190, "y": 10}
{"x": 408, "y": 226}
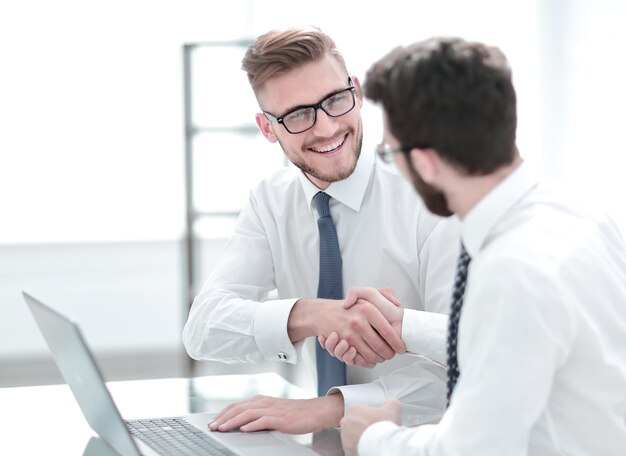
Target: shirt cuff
{"x": 365, "y": 393}
{"x": 424, "y": 334}
{"x": 373, "y": 436}
{"x": 270, "y": 330}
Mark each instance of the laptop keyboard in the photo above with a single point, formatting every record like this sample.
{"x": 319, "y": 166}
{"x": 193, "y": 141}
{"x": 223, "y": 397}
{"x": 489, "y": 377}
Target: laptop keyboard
{"x": 176, "y": 436}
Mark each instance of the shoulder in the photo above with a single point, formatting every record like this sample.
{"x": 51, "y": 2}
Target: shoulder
{"x": 283, "y": 185}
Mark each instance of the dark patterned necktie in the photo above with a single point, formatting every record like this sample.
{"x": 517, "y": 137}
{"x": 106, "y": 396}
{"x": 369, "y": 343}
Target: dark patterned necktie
{"x": 330, "y": 371}
{"x": 455, "y": 313}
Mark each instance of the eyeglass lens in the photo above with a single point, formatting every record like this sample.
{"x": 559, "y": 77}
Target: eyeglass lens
{"x": 335, "y": 105}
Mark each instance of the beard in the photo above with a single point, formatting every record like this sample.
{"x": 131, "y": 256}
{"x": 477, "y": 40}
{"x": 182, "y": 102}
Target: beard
{"x": 335, "y": 175}
{"x": 434, "y": 199}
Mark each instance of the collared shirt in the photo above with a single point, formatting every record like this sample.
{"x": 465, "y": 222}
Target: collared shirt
{"x": 542, "y": 335}
{"x": 387, "y": 239}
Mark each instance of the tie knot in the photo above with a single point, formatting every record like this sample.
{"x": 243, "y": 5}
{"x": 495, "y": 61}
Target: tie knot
{"x": 321, "y": 204}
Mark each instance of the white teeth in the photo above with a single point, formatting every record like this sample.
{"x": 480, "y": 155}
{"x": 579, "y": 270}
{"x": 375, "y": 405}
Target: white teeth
{"x": 329, "y": 147}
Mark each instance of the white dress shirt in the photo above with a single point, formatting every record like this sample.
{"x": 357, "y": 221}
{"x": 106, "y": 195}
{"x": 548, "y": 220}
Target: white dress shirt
{"x": 542, "y": 335}
{"x": 386, "y": 238}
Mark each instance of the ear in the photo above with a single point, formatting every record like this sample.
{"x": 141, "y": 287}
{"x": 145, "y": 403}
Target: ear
{"x": 357, "y": 90}
{"x": 265, "y": 126}
{"x": 426, "y": 163}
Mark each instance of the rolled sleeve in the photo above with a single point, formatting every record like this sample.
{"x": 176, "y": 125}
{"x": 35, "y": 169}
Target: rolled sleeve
{"x": 270, "y": 330}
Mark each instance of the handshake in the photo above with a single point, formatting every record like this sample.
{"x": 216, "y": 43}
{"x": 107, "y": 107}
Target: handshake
{"x": 365, "y": 330}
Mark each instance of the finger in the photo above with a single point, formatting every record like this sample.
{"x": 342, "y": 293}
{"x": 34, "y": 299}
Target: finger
{"x": 362, "y": 362}
{"x": 388, "y": 293}
{"x": 348, "y": 356}
{"x": 322, "y": 341}
{"x": 341, "y": 348}
{"x": 242, "y": 419}
{"x": 261, "y": 424}
{"x": 235, "y": 409}
{"x": 219, "y": 417}
{"x": 331, "y": 343}
{"x": 391, "y": 338}
{"x": 377, "y": 344}
{"x": 224, "y": 418}
{"x": 359, "y": 341}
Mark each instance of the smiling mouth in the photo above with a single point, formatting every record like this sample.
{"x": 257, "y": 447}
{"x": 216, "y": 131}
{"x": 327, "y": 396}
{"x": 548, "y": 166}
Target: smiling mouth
{"x": 330, "y": 147}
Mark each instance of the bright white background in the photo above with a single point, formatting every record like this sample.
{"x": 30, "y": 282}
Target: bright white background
{"x": 91, "y": 133}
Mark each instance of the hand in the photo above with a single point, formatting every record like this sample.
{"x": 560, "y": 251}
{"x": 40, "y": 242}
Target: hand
{"x": 291, "y": 416}
{"x": 363, "y": 326}
{"x": 386, "y": 302}
{"x": 360, "y": 417}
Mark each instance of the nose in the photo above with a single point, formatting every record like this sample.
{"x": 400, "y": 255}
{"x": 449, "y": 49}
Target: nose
{"x": 325, "y": 125}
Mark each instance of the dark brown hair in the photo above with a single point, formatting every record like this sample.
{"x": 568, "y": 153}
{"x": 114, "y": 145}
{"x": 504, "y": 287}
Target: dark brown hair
{"x": 451, "y": 95}
{"x": 279, "y": 51}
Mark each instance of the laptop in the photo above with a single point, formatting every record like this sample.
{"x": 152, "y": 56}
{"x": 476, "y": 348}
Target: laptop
{"x": 181, "y": 435}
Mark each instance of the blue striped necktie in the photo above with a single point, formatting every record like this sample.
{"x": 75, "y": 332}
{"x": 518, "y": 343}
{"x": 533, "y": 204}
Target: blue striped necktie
{"x": 330, "y": 371}
{"x": 455, "y": 313}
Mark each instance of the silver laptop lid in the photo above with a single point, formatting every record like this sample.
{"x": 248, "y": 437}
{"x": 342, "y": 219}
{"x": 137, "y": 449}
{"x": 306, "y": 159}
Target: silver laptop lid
{"x": 81, "y": 373}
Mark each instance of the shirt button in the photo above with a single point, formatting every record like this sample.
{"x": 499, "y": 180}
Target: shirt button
{"x": 282, "y": 356}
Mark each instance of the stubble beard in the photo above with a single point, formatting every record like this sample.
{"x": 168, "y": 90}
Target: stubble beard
{"x": 338, "y": 175}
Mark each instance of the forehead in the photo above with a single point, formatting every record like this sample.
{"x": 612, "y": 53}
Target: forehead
{"x": 304, "y": 85}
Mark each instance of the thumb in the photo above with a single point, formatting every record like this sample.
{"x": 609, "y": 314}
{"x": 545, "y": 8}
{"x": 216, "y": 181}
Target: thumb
{"x": 388, "y": 293}
{"x": 351, "y": 298}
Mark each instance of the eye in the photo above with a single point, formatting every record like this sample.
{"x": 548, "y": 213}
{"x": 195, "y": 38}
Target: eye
{"x": 337, "y": 99}
{"x": 299, "y": 115}
{"x": 296, "y": 115}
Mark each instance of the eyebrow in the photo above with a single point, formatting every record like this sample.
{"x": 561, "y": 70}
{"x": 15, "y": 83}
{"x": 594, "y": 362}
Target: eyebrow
{"x": 287, "y": 111}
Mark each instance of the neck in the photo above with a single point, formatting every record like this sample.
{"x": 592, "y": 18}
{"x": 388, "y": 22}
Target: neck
{"x": 322, "y": 185}
{"x": 468, "y": 191}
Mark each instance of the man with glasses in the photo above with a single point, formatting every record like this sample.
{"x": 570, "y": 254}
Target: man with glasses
{"x": 309, "y": 234}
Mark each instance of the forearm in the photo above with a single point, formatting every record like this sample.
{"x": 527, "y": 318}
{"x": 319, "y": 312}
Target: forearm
{"x": 225, "y": 327}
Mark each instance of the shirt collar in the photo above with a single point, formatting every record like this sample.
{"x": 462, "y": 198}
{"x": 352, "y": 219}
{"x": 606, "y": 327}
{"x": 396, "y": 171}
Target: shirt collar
{"x": 349, "y": 191}
{"x": 479, "y": 222}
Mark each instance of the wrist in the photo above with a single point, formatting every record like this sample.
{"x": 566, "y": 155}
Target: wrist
{"x": 331, "y": 409}
{"x": 304, "y": 318}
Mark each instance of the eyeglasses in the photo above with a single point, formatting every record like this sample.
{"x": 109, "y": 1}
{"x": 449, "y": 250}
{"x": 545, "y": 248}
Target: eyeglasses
{"x": 303, "y": 118}
{"x": 385, "y": 152}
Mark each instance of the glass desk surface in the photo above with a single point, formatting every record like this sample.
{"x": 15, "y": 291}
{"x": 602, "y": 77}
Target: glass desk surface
{"x": 47, "y": 419}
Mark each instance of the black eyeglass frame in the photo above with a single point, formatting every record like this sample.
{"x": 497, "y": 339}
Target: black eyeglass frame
{"x": 385, "y": 152}
{"x": 316, "y": 106}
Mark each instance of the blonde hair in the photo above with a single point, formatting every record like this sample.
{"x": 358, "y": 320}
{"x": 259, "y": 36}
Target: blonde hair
{"x": 279, "y": 51}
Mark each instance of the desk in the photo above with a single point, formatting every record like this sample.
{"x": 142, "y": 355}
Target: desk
{"x": 47, "y": 420}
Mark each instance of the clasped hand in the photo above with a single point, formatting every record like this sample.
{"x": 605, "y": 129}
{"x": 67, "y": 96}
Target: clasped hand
{"x": 374, "y": 331}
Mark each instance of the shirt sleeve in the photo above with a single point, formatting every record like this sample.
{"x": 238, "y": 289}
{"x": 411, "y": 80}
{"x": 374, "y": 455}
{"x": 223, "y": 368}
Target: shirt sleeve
{"x": 438, "y": 243}
{"x": 386, "y": 439}
{"x": 420, "y": 387}
{"x": 230, "y": 320}
{"x": 424, "y": 333}
{"x": 514, "y": 334}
